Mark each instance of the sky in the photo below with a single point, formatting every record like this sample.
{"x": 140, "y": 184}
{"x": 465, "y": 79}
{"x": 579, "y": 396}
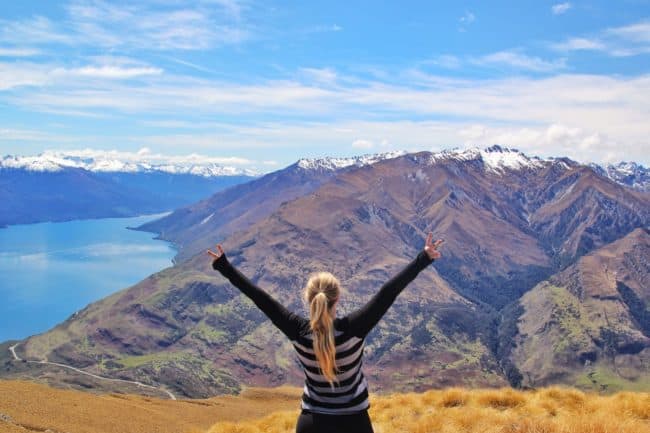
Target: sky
{"x": 260, "y": 84}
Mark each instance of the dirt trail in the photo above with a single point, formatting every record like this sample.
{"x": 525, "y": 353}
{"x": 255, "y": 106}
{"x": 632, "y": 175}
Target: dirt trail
{"x": 12, "y": 349}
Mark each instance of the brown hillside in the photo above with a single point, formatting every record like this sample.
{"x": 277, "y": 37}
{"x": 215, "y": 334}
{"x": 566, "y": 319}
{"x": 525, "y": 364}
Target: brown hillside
{"x": 589, "y": 325}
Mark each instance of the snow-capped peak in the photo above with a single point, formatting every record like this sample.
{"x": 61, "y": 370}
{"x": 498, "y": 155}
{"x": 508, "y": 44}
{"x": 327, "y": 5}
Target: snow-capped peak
{"x": 626, "y": 173}
{"x": 495, "y": 158}
{"x": 122, "y": 162}
{"x": 331, "y": 164}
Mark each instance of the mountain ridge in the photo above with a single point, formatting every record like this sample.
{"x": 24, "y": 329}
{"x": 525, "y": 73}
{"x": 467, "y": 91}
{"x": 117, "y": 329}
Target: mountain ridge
{"x": 506, "y": 231}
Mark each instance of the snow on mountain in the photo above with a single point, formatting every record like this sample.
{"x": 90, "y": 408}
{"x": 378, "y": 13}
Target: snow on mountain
{"x": 626, "y": 173}
{"x": 57, "y": 161}
{"x": 495, "y": 158}
{"x": 330, "y": 163}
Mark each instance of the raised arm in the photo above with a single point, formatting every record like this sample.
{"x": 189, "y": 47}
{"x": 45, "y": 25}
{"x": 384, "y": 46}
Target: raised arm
{"x": 364, "y": 319}
{"x": 286, "y": 321}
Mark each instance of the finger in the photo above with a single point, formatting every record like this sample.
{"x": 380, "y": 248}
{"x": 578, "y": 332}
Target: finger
{"x": 212, "y": 254}
{"x": 220, "y": 248}
{"x": 429, "y": 238}
{"x": 437, "y": 243}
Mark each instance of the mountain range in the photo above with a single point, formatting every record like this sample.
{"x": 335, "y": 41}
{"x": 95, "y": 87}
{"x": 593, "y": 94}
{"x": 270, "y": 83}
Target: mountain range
{"x": 543, "y": 279}
{"x": 59, "y": 187}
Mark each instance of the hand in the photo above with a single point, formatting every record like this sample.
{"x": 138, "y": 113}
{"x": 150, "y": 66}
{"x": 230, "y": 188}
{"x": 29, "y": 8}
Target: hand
{"x": 431, "y": 248}
{"x": 218, "y": 254}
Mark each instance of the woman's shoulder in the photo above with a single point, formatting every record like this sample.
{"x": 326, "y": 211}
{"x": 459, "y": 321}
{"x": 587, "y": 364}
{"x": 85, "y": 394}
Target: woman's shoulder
{"x": 341, "y": 325}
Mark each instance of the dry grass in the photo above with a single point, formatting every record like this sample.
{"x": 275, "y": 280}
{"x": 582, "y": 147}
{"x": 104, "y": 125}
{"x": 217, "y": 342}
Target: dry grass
{"x": 455, "y": 410}
{"x": 26, "y": 406}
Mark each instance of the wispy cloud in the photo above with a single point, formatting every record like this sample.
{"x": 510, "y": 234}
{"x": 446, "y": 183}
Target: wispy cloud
{"x": 188, "y": 64}
{"x": 137, "y": 25}
{"x": 320, "y": 75}
{"x": 18, "y": 52}
{"x": 637, "y": 32}
{"x": 446, "y": 61}
{"x": 33, "y": 31}
{"x": 362, "y": 144}
{"x": 577, "y": 44}
{"x": 560, "y": 8}
{"x": 624, "y": 41}
{"x": 510, "y": 60}
{"x": 465, "y": 20}
{"x": 18, "y": 74}
{"x": 520, "y": 61}
{"x": 111, "y": 72}
{"x": 322, "y": 28}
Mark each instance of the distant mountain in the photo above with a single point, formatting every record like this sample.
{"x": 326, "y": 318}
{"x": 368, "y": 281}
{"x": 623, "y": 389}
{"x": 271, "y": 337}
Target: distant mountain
{"x": 106, "y": 163}
{"x": 194, "y": 227}
{"x": 627, "y": 173}
{"x": 53, "y": 187}
{"x": 510, "y": 223}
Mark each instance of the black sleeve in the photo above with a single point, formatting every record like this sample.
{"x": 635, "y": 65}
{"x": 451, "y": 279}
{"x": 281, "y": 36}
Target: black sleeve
{"x": 286, "y": 321}
{"x": 364, "y": 319}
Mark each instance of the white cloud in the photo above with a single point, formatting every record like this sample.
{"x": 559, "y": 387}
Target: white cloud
{"x": 111, "y": 72}
{"x": 624, "y": 41}
{"x": 36, "y": 30}
{"x": 362, "y": 144}
{"x": 320, "y": 75}
{"x": 637, "y": 32}
{"x": 18, "y": 74}
{"x": 560, "y": 8}
{"x": 446, "y": 61}
{"x": 135, "y": 25}
{"x": 575, "y": 44}
{"x": 18, "y": 52}
{"x": 516, "y": 60}
{"x": 323, "y": 28}
{"x": 467, "y": 18}
{"x": 552, "y": 140}
{"x": 12, "y": 135}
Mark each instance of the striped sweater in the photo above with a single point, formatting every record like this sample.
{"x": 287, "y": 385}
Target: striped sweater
{"x": 350, "y": 393}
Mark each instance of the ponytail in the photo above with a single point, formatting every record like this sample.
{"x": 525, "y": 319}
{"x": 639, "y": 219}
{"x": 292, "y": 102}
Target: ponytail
{"x": 322, "y": 292}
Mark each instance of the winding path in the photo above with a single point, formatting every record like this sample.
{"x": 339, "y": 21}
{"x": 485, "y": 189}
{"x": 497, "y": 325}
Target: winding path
{"x": 12, "y": 349}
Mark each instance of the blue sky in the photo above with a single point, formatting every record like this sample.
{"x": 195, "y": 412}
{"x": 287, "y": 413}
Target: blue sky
{"x": 261, "y": 84}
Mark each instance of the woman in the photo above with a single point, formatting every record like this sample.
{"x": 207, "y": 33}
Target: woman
{"x": 335, "y": 396}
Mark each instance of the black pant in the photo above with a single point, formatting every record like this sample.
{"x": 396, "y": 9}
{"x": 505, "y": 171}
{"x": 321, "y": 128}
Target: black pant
{"x": 311, "y": 422}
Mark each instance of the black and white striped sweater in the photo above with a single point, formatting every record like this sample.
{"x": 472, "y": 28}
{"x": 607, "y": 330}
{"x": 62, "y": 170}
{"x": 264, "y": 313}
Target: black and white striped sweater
{"x": 350, "y": 393}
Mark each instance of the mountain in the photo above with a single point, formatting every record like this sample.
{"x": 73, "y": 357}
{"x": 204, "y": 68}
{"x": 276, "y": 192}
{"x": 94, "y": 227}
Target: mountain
{"x": 510, "y": 223}
{"x": 53, "y": 187}
{"x": 195, "y": 227}
{"x": 107, "y": 162}
{"x": 590, "y": 323}
{"x": 627, "y": 173}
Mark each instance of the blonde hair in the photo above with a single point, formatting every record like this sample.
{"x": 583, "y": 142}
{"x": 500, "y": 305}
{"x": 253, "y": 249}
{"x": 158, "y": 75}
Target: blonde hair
{"x": 321, "y": 293}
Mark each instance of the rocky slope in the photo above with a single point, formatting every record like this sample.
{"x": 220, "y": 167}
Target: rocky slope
{"x": 509, "y": 221}
{"x": 197, "y": 226}
{"x": 590, "y": 323}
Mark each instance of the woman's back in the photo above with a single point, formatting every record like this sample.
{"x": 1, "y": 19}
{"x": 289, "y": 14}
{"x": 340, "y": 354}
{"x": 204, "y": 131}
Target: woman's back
{"x": 330, "y": 351}
{"x": 349, "y": 393}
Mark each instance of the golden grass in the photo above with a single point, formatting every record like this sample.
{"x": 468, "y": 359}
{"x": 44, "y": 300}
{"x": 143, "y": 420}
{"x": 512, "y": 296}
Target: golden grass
{"x": 456, "y": 410}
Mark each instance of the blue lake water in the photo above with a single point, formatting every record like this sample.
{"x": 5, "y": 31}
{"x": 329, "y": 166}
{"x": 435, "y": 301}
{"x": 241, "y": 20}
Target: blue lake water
{"x": 50, "y": 270}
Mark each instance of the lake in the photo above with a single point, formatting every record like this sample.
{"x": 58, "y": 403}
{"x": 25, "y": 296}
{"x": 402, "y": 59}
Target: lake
{"x": 50, "y": 270}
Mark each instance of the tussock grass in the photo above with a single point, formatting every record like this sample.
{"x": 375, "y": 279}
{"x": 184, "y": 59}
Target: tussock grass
{"x": 455, "y": 410}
